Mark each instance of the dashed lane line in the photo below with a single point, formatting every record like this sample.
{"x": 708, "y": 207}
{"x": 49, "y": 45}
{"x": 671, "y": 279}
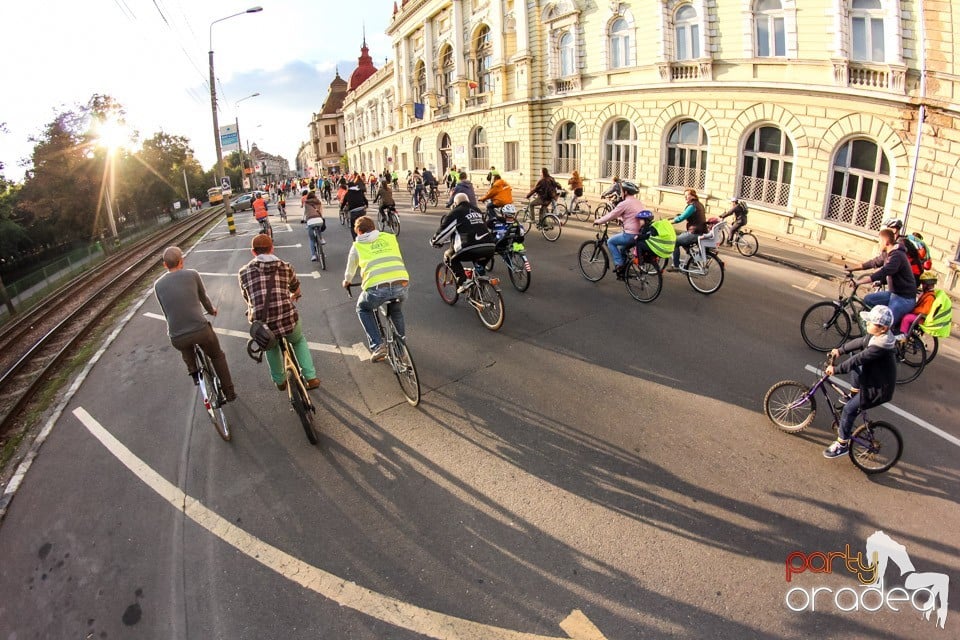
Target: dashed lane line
{"x": 397, "y": 613}
{"x": 920, "y": 422}
{"x": 235, "y": 249}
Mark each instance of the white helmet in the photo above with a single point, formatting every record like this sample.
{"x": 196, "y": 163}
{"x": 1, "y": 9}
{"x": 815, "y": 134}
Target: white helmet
{"x": 509, "y": 209}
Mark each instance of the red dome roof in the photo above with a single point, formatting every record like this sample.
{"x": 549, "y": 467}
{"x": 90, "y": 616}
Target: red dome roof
{"x": 365, "y": 68}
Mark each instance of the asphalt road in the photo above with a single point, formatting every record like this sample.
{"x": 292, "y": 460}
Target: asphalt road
{"x": 597, "y": 468}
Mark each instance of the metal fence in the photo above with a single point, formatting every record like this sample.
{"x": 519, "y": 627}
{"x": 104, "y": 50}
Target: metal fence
{"x": 769, "y": 191}
{"x": 854, "y": 212}
{"x": 686, "y": 177}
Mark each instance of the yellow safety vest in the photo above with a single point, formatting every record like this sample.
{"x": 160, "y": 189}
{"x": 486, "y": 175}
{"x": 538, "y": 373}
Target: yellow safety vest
{"x": 380, "y": 261}
{"x": 662, "y": 243}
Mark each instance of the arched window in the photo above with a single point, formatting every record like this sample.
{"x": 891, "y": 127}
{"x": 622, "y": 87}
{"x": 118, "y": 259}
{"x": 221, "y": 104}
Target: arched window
{"x": 620, "y": 150}
{"x": 448, "y": 74}
{"x": 419, "y": 81}
{"x": 566, "y": 157}
{"x": 687, "y": 28}
{"x": 446, "y": 153}
{"x": 767, "y": 166}
{"x": 568, "y": 61}
{"x": 859, "y": 184}
{"x": 771, "y": 34}
{"x": 483, "y": 54}
{"x": 620, "y": 55}
{"x": 866, "y": 31}
{"x": 686, "y": 155}
{"x": 417, "y": 153}
{"x": 479, "y": 154}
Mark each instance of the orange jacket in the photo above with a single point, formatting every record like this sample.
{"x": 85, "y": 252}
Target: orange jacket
{"x": 259, "y": 209}
{"x": 500, "y": 192}
{"x": 924, "y": 302}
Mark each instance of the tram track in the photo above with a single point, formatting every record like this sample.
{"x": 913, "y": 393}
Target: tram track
{"x": 35, "y": 345}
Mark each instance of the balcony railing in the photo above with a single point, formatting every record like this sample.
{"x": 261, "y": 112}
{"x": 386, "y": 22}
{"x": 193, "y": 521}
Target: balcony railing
{"x": 564, "y": 85}
{"x": 865, "y": 75}
{"x": 685, "y": 70}
{"x": 855, "y": 212}
{"x": 619, "y": 169}
{"x": 566, "y": 165}
{"x": 767, "y": 191}
{"x": 686, "y": 177}
{"x": 478, "y": 100}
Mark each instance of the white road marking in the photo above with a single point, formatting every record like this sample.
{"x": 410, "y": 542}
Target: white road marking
{"x": 920, "y": 422}
{"x": 316, "y": 275}
{"x": 348, "y": 594}
{"x": 314, "y": 346}
{"x": 278, "y": 246}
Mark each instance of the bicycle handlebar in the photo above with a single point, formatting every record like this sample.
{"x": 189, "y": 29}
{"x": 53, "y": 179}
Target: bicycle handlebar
{"x": 351, "y": 285}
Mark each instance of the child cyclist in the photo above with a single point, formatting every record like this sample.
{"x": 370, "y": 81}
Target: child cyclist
{"x": 874, "y": 371}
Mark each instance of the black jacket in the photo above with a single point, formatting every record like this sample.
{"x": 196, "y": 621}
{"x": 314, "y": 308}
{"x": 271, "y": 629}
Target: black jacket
{"x": 877, "y": 360}
{"x": 465, "y": 226}
{"x": 353, "y": 199}
{"x": 895, "y": 270}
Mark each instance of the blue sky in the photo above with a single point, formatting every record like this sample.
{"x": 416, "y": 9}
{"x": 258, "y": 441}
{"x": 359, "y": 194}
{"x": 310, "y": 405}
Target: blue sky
{"x": 151, "y": 55}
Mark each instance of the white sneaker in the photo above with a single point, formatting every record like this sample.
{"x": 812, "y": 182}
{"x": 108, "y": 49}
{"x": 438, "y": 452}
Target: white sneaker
{"x": 313, "y": 258}
{"x": 464, "y": 287}
{"x": 323, "y": 241}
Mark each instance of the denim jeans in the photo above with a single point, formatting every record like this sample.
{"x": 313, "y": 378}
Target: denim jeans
{"x": 619, "y": 242}
{"x": 685, "y": 239}
{"x": 313, "y": 232}
{"x": 301, "y": 348}
{"x": 367, "y": 305}
{"x": 417, "y": 194}
{"x": 899, "y": 305}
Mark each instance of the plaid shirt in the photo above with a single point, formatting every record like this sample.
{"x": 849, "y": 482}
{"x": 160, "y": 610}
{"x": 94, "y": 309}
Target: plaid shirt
{"x": 278, "y": 312}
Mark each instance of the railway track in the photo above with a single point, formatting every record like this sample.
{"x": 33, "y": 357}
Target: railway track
{"x": 34, "y": 345}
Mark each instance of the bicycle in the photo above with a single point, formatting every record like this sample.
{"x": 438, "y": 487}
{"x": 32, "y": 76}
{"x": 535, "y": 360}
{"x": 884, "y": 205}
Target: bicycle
{"x": 549, "y": 225}
{"x": 314, "y": 230}
{"x": 559, "y": 209}
{"x": 421, "y": 203}
{"x": 483, "y": 293}
{"x": 295, "y": 385}
{"x": 282, "y": 209}
{"x": 579, "y": 209}
{"x": 388, "y": 220}
{"x": 875, "y": 446}
{"x": 432, "y": 197}
{"x": 211, "y": 392}
{"x": 398, "y": 354}
{"x": 745, "y": 242}
{"x": 643, "y": 273}
{"x": 511, "y": 250}
{"x": 265, "y": 227}
{"x": 828, "y": 324}
{"x": 605, "y": 207}
{"x": 704, "y": 268}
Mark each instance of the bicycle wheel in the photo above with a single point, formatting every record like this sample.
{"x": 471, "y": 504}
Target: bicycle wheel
{"x": 550, "y": 227}
{"x": 560, "y": 210}
{"x": 788, "y": 406}
{"x": 911, "y": 359}
{"x": 644, "y": 281}
{"x": 519, "y": 271}
{"x": 489, "y": 304}
{"x": 931, "y": 344}
{"x": 393, "y": 223}
{"x": 434, "y": 200}
{"x": 343, "y": 217}
{"x": 446, "y": 284}
{"x": 213, "y": 399}
{"x": 303, "y": 407}
{"x": 602, "y": 210}
{"x": 711, "y": 278}
{"x": 321, "y": 257}
{"x": 422, "y": 205}
{"x": 593, "y": 260}
{"x": 405, "y": 370}
{"x": 722, "y": 237}
{"x": 825, "y": 326}
{"x": 581, "y": 212}
{"x": 875, "y": 447}
{"x": 747, "y": 244}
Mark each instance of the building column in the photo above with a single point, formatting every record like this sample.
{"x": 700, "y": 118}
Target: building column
{"x": 458, "y": 49}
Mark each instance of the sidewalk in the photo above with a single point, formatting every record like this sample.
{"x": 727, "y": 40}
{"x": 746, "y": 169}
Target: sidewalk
{"x": 791, "y": 253}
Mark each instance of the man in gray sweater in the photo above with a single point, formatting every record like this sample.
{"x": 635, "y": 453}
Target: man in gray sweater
{"x": 183, "y": 300}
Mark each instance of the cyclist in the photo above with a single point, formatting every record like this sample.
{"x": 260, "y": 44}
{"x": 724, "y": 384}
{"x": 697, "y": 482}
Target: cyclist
{"x": 355, "y": 203}
{"x": 739, "y": 213}
{"x": 874, "y": 371}
{"x": 416, "y": 181}
{"x": 464, "y": 186}
{"x": 470, "y": 238}
{"x": 500, "y": 194}
{"x": 635, "y": 217}
{"x": 614, "y": 190}
{"x": 313, "y": 216}
{"x": 913, "y": 244}
{"x": 261, "y": 215}
{"x": 384, "y": 278}
{"x": 894, "y": 269}
{"x": 429, "y": 180}
{"x": 451, "y": 178}
{"x": 282, "y": 205}
{"x": 546, "y": 192}
{"x": 270, "y": 287}
{"x": 327, "y": 189}
{"x": 928, "y": 283}
{"x": 183, "y": 299}
{"x": 386, "y": 197}
{"x": 576, "y": 187}
{"x": 696, "y": 218}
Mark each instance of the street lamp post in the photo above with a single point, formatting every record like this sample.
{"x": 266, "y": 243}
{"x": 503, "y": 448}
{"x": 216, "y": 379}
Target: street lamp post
{"x": 243, "y": 169}
{"x": 216, "y": 124}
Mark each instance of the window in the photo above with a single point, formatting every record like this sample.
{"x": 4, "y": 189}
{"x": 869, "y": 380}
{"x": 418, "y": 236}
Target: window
{"x": 620, "y": 150}
{"x": 771, "y": 32}
{"x": 331, "y": 147}
{"x": 447, "y": 75}
{"x": 566, "y": 158}
{"x": 417, "y": 152}
{"x": 567, "y": 55}
{"x": 866, "y": 29}
{"x": 511, "y": 156}
{"x": 687, "y": 26}
{"x": 619, "y": 44}
{"x": 859, "y": 185}
{"x": 767, "y": 167}
{"x": 446, "y": 153}
{"x": 686, "y": 155}
{"x": 479, "y": 155}
{"x": 419, "y": 81}
{"x": 483, "y": 50}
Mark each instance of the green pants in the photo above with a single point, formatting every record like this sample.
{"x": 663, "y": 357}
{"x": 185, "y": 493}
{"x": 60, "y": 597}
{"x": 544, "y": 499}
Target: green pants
{"x": 299, "y": 344}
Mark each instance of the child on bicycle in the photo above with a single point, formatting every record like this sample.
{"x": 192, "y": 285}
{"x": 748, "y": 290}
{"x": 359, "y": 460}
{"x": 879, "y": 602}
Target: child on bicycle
{"x": 874, "y": 371}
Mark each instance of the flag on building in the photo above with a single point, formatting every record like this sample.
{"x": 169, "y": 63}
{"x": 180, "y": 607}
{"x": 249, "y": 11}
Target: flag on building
{"x": 418, "y": 110}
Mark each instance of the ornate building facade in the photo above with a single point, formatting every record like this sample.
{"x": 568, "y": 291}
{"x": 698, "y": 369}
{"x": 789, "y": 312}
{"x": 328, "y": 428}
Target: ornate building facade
{"x": 828, "y": 118}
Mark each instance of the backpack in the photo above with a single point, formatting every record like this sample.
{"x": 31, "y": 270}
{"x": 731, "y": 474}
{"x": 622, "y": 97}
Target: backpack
{"x": 939, "y": 320}
{"x": 662, "y": 238}
{"x": 918, "y": 254}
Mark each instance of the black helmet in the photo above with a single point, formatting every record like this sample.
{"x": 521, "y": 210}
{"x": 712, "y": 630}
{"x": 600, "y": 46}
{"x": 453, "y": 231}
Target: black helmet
{"x": 630, "y": 187}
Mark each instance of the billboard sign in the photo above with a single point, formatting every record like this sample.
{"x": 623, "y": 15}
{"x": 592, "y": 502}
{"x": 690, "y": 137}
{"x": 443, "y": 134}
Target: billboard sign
{"x": 229, "y": 138}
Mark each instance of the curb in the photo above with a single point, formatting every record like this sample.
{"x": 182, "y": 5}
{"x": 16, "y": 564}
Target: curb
{"x": 798, "y": 267}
